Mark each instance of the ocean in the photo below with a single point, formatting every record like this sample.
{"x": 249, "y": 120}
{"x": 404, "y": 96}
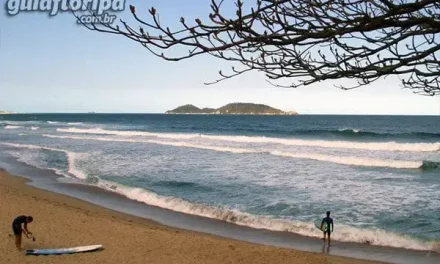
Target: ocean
{"x": 378, "y": 175}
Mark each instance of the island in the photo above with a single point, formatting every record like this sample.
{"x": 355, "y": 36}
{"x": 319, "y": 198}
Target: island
{"x": 231, "y": 109}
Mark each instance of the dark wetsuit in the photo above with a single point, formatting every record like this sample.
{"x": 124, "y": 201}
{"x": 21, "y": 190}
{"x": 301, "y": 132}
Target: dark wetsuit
{"x": 328, "y": 221}
{"x": 16, "y": 225}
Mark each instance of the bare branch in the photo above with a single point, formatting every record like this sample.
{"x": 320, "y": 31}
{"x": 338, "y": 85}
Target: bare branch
{"x": 309, "y": 41}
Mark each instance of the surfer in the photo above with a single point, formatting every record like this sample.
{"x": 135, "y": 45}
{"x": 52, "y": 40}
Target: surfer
{"x": 327, "y": 231}
{"x": 18, "y": 230}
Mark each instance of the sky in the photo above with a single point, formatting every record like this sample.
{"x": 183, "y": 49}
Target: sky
{"x": 51, "y": 64}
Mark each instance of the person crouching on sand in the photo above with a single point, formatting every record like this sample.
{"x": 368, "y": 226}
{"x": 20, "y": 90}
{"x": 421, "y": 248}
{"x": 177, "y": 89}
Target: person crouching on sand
{"x": 18, "y": 230}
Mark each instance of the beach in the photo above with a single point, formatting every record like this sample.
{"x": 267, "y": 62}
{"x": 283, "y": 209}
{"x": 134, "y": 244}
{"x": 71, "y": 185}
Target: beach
{"x": 62, "y": 221}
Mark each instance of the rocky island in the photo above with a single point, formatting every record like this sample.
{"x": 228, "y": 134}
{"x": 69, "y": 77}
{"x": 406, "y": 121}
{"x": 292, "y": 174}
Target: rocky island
{"x": 231, "y": 109}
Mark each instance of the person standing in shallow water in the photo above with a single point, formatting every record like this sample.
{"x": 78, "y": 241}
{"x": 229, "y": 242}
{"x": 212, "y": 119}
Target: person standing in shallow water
{"x": 328, "y": 221}
{"x": 18, "y": 229}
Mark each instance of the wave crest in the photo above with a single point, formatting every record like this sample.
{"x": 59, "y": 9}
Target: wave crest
{"x": 343, "y": 160}
{"x": 380, "y": 146}
{"x": 12, "y": 127}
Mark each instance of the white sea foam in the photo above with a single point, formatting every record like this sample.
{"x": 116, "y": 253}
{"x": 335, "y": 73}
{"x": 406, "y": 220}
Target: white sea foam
{"x": 354, "y": 161}
{"x": 35, "y": 128}
{"x": 31, "y": 161}
{"x": 380, "y": 146}
{"x": 71, "y": 159}
{"x": 21, "y": 123}
{"x": 9, "y": 123}
{"x": 12, "y": 127}
{"x": 345, "y": 233}
{"x": 100, "y": 131}
{"x": 349, "y": 129}
{"x": 167, "y": 143}
{"x": 344, "y": 160}
{"x": 29, "y": 146}
{"x": 52, "y": 122}
{"x": 74, "y": 123}
{"x": 198, "y": 146}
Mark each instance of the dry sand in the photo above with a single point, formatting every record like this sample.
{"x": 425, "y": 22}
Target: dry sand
{"x": 62, "y": 221}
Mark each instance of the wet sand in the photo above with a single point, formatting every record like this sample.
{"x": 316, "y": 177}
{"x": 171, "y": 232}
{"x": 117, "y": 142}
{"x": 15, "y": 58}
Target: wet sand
{"x": 62, "y": 221}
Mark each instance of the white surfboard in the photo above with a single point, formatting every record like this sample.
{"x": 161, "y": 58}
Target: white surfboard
{"x": 60, "y": 251}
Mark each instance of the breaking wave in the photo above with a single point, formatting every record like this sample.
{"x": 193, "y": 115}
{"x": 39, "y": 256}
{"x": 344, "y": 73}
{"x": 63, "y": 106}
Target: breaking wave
{"x": 345, "y": 233}
{"x": 12, "y": 127}
{"x": 348, "y": 132}
{"x": 344, "y": 160}
{"x": 380, "y": 146}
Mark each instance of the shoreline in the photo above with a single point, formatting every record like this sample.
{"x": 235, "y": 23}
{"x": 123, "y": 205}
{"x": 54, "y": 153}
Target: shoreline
{"x": 63, "y": 221}
{"x": 48, "y": 181}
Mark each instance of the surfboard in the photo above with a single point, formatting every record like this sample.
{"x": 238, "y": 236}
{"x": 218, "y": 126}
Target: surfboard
{"x": 318, "y": 222}
{"x": 61, "y": 251}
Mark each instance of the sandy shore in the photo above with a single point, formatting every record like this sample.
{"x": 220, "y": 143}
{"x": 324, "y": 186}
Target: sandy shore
{"x": 62, "y": 221}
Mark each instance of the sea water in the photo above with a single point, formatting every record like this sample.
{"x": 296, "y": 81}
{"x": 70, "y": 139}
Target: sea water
{"x": 378, "y": 175}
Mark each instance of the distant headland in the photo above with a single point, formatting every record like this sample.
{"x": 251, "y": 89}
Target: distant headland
{"x": 6, "y": 112}
{"x": 231, "y": 109}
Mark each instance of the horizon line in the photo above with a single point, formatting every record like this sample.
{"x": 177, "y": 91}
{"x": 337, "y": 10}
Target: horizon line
{"x": 163, "y": 113}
